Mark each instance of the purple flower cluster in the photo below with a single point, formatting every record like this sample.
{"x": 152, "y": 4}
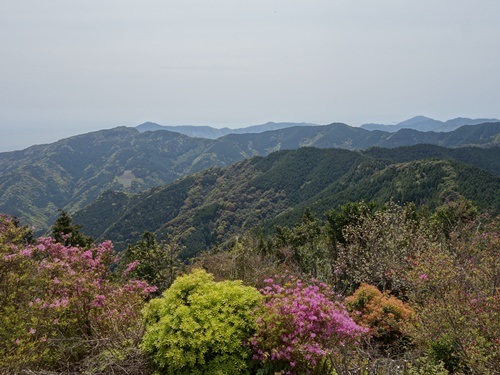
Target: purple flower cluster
{"x": 299, "y": 324}
{"x": 76, "y": 282}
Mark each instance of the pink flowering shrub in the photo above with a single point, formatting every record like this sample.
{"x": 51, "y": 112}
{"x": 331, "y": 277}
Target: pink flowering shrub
{"x": 76, "y": 284}
{"x": 67, "y": 308}
{"x": 300, "y": 326}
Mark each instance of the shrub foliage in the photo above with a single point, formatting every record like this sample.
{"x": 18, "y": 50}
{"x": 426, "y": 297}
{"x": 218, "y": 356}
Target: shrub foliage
{"x": 199, "y": 326}
{"x": 300, "y": 326}
{"x": 60, "y": 308}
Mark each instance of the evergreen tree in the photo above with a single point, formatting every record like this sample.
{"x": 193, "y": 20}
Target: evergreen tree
{"x": 69, "y": 234}
{"x": 151, "y": 261}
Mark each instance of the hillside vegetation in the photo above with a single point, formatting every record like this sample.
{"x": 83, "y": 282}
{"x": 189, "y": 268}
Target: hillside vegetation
{"x": 71, "y": 173}
{"x": 379, "y": 289}
{"x": 312, "y": 260}
{"x": 207, "y": 208}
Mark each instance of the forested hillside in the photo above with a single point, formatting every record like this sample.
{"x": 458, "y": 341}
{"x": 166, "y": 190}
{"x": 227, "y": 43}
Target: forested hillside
{"x": 207, "y": 208}
{"x": 484, "y": 158}
{"x": 71, "y": 173}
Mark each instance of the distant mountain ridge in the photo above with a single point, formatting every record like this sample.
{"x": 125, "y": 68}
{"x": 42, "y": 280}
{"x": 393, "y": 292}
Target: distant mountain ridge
{"x": 420, "y": 123}
{"x": 424, "y": 124}
{"x": 72, "y": 172}
{"x": 213, "y": 133}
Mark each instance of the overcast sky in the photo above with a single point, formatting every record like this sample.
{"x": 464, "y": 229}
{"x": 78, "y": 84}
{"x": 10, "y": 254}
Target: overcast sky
{"x": 72, "y": 66}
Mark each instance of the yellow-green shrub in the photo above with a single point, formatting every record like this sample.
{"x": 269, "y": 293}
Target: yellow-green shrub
{"x": 200, "y": 326}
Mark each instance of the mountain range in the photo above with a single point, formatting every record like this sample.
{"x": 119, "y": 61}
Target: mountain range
{"x": 73, "y": 172}
{"x": 426, "y": 124}
{"x": 420, "y": 123}
{"x": 214, "y": 133}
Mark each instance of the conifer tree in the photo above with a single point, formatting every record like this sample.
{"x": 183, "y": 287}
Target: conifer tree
{"x": 64, "y": 231}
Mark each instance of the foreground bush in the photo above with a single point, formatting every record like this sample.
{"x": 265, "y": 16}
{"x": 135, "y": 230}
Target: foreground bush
{"x": 456, "y": 293}
{"x": 383, "y": 314}
{"x": 59, "y": 309}
{"x": 199, "y": 326}
{"x": 301, "y": 327}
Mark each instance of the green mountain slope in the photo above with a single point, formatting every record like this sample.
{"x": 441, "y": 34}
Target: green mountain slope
{"x": 425, "y": 182}
{"x": 208, "y": 207}
{"x": 485, "y": 158}
{"x": 346, "y": 137}
{"x": 73, "y": 172}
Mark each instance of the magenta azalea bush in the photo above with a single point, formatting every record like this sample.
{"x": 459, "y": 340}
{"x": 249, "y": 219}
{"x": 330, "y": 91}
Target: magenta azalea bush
{"x": 75, "y": 287}
{"x": 300, "y": 325}
{"x": 60, "y": 306}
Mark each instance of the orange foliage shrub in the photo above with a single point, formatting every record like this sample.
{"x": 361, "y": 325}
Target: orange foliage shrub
{"x": 382, "y": 313}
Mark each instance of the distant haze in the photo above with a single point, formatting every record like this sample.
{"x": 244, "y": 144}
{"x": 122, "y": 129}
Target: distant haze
{"x": 70, "y": 67}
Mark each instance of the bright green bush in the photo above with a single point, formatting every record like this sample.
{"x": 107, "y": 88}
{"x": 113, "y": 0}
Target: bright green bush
{"x": 200, "y": 326}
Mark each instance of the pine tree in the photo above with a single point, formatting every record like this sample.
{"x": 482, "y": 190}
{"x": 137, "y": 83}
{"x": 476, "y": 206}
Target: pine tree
{"x": 69, "y": 234}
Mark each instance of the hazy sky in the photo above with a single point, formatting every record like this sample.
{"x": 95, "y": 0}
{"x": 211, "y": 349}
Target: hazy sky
{"x": 72, "y": 66}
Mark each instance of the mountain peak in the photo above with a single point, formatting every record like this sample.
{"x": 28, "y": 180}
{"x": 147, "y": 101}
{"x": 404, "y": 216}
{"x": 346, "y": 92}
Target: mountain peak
{"x": 148, "y": 126}
{"x": 418, "y": 120}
